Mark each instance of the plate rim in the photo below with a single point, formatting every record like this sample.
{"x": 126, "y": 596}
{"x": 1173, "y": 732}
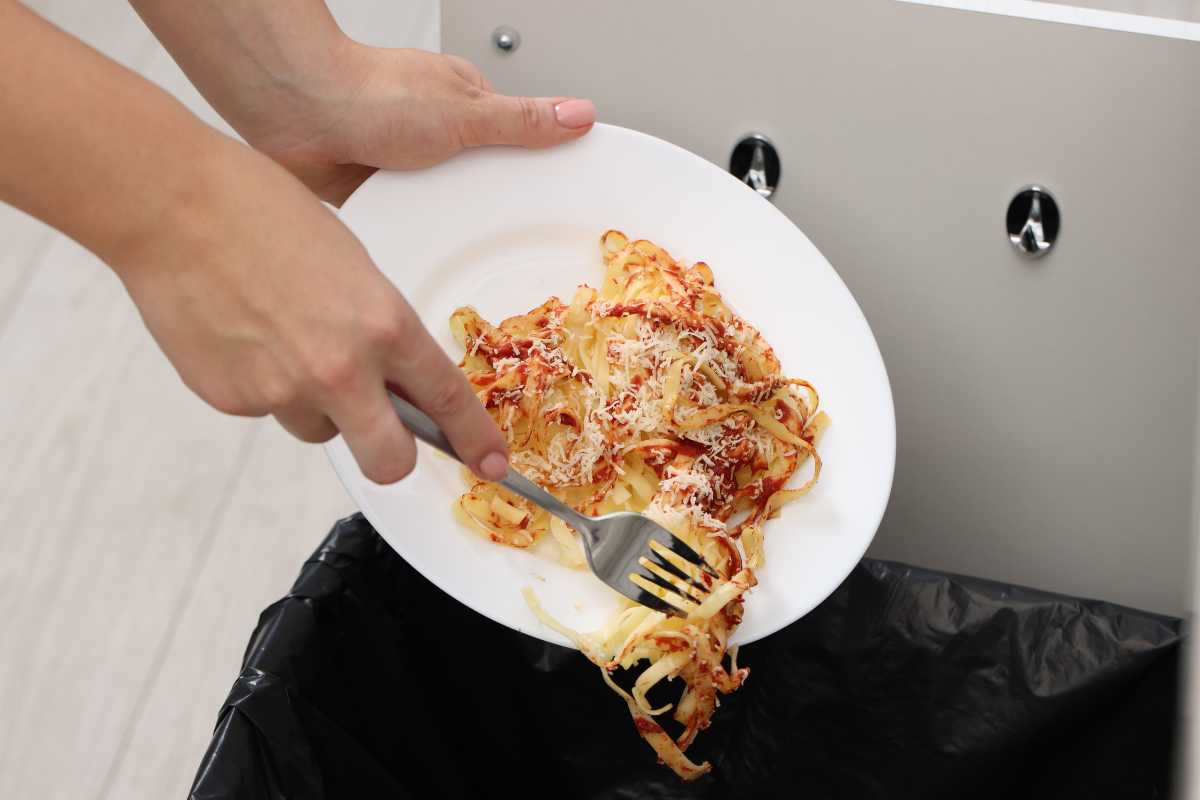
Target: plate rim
{"x": 543, "y": 633}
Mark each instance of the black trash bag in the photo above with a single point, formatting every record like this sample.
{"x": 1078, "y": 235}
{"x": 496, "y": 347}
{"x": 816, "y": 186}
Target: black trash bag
{"x": 367, "y": 681}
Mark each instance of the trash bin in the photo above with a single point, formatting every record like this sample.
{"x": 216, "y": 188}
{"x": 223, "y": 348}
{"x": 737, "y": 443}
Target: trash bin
{"x": 368, "y": 681}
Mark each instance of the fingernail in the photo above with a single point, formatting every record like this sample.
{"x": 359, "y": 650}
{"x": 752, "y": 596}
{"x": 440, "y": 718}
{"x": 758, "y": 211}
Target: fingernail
{"x": 575, "y": 113}
{"x": 494, "y": 466}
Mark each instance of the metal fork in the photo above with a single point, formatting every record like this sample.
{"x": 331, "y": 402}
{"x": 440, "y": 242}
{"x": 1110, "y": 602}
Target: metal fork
{"x": 631, "y": 553}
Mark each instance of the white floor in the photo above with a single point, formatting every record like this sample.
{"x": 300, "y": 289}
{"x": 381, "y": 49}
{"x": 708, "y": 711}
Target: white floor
{"x": 142, "y": 532}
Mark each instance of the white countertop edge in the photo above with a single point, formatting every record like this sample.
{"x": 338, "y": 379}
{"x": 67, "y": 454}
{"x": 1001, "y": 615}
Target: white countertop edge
{"x": 1073, "y": 15}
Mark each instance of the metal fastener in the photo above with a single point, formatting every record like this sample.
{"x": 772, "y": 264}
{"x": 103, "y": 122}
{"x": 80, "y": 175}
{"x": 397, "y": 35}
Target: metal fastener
{"x": 506, "y": 39}
{"x": 755, "y": 162}
{"x": 1033, "y": 221}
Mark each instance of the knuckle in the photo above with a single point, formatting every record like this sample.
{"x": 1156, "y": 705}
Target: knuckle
{"x": 385, "y": 328}
{"x": 227, "y": 401}
{"x": 333, "y": 372}
{"x": 394, "y": 469}
{"x": 277, "y": 393}
{"x": 462, "y": 66}
{"x": 447, "y": 398}
{"x": 406, "y": 338}
{"x": 531, "y": 116}
{"x": 316, "y": 435}
{"x": 473, "y": 91}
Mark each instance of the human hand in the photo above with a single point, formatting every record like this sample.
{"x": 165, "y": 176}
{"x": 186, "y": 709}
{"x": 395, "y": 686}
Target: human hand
{"x": 333, "y": 110}
{"x": 266, "y": 304}
{"x": 400, "y": 109}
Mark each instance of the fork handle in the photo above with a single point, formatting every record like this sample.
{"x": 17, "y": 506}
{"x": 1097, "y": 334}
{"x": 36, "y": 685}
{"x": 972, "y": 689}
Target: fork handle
{"x": 422, "y": 426}
{"x": 518, "y": 483}
{"x": 425, "y": 429}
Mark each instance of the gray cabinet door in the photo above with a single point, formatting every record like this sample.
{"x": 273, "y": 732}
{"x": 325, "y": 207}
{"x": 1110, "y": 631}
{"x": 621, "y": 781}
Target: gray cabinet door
{"x": 1046, "y": 410}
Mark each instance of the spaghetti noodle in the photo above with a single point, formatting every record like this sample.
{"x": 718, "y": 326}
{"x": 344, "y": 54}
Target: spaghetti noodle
{"x": 646, "y": 395}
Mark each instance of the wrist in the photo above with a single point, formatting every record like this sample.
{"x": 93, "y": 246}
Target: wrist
{"x": 174, "y": 209}
{"x": 306, "y": 132}
{"x": 300, "y": 95}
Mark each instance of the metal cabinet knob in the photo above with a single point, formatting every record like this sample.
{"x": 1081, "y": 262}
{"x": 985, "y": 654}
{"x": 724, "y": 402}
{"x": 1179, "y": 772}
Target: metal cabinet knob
{"x": 1033, "y": 221}
{"x": 756, "y": 163}
{"x": 506, "y": 39}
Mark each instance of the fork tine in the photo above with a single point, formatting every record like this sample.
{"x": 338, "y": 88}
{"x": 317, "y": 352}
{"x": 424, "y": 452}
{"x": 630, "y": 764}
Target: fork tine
{"x": 696, "y": 574}
{"x": 679, "y": 585}
{"x": 642, "y": 597}
{"x": 669, "y": 572}
{"x": 682, "y": 549}
{"x": 664, "y": 591}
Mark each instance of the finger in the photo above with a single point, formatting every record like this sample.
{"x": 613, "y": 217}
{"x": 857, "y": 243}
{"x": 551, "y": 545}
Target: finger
{"x": 307, "y": 426}
{"x": 435, "y": 385}
{"x": 526, "y": 121}
{"x": 382, "y": 446}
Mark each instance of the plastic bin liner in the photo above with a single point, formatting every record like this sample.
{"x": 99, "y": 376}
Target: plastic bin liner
{"x": 368, "y": 681}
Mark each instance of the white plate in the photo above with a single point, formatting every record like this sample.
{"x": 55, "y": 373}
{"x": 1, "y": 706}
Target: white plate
{"x": 503, "y": 229}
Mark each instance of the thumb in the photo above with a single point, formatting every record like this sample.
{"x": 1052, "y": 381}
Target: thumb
{"x": 529, "y": 121}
